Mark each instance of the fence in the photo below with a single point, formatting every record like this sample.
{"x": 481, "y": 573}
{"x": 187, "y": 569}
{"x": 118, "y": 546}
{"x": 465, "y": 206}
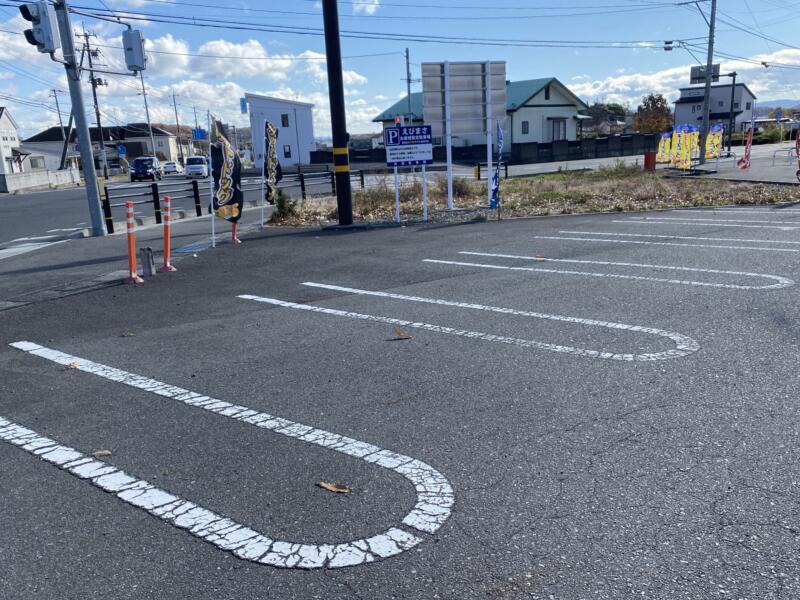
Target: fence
{"x": 302, "y": 184}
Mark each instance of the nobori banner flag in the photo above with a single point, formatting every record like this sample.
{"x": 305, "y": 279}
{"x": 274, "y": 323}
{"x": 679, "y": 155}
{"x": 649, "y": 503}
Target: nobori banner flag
{"x": 272, "y": 168}
{"x": 496, "y": 177}
{"x": 226, "y": 169}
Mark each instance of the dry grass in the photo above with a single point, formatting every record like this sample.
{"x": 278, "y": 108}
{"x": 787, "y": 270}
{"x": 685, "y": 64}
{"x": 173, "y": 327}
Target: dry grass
{"x": 618, "y": 187}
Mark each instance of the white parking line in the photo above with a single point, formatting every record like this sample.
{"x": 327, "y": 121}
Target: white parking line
{"x": 434, "y": 494}
{"x": 609, "y": 241}
{"x": 684, "y": 345}
{"x": 711, "y": 223}
{"x": 681, "y": 237}
{"x": 780, "y": 282}
{"x": 25, "y": 248}
{"x": 729, "y": 210}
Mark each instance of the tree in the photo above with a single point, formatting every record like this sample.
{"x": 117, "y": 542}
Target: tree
{"x": 653, "y": 115}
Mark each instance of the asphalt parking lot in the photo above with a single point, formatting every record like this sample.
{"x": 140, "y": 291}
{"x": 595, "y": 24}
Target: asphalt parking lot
{"x": 571, "y": 407}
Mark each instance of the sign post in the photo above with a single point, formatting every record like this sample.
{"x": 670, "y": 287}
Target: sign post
{"x": 407, "y": 146}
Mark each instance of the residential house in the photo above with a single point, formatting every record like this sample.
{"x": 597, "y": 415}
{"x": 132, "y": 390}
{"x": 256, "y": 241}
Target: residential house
{"x": 10, "y": 156}
{"x": 689, "y": 106}
{"x": 539, "y": 111}
{"x": 135, "y": 137}
{"x": 295, "y": 125}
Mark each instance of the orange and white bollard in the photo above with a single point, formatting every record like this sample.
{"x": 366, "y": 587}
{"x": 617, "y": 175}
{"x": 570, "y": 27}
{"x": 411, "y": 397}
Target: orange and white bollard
{"x": 167, "y": 214}
{"x": 132, "y": 269}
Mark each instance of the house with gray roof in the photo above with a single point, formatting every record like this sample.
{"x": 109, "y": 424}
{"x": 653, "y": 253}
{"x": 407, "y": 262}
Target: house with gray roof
{"x": 539, "y": 110}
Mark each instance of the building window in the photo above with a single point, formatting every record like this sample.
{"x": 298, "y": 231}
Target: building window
{"x": 747, "y": 106}
{"x": 692, "y": 107}
{"x": 160, "y": 144}
{"x": 720, "y": 103}
{"x": 37, "y": 162}
{"x": 547, "y": 92}
{"x": 525, "y": 128}
{"x": 559, "y": 129}
{"x": 284, "y": 120}
{"x": 287, "y": 152}
{"x": 735, "y": 105}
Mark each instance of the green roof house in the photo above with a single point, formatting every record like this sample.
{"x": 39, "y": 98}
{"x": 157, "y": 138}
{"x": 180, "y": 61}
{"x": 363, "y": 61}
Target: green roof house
{"x": 539, "y": 110}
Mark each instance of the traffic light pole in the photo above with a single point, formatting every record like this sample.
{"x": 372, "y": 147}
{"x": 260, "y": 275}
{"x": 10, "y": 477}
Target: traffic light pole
{"x": 341, "y": 159}
{"x": 79, "y": 113}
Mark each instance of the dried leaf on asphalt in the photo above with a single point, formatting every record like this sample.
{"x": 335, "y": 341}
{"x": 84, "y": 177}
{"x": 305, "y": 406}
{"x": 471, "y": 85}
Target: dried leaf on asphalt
{"x": 335, "y": 487}
{"x": 73, "y": 365}
{"x": 399, "y": 334}
{"x": 101, "y": 453}
{"x": 128, "y": 334}
{"x": 540, "y": 255}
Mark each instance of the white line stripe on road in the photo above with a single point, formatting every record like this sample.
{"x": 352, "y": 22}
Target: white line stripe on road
{"x": 434, "y": 493}
{"x": 25, "y": 248}
{"x": 747, "y": 211}
{"x": 580, "y": 239}
{"x": 684, "y": 345}
{"x": 780, "y": 282}
{"x": 681, "y": 237}
{"x": 712, "y": 222}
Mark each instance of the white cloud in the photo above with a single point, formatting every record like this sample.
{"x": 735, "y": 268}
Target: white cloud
{"x": 365, "y": 7}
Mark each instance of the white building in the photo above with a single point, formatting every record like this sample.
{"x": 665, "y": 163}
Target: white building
{"x": 10, "y": 158}
{"x": 539, "y": 110}
{"x": 689, "y": 107}
{"x": 295, "y": 128}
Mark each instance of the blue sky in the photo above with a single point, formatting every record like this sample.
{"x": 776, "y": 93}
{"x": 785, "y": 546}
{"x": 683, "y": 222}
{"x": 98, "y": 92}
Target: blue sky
{"x": 633, "y": 62}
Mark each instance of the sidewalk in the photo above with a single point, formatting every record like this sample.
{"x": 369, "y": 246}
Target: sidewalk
{"x": 79, "y": 265}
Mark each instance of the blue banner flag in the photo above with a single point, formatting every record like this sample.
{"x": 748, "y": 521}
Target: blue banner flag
{"x": 496, "y": 176}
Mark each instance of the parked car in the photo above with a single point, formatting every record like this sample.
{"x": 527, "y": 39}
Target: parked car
{"x": 145, "y": 167}
{"x": 172, "y": 168}
{"x": 196, "y": 166}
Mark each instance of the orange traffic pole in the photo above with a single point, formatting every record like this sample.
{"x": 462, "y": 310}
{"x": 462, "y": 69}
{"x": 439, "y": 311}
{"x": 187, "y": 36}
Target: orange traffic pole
{"x": 167, "y": 212}
{"x": 132, "y": 269}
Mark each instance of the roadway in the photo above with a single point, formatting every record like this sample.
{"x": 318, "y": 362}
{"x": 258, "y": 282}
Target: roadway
{"x": 588, "y": 406}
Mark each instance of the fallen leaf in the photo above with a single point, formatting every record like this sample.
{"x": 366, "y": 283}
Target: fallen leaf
{"x": 101, "y": 453}
{"x": 335, "y": 487}
{"x": 540, "y": 255}
{"x": 73, "y": 365}
{"x": 399, "y": 334}
{"x": 127, "y": 334}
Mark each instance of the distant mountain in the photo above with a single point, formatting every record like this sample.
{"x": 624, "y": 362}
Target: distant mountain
{"x": 774, "y": 103}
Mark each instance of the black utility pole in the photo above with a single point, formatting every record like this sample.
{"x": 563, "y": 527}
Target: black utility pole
{"x": 95, "y": 82}
{"x": 341, "y": 159}
{"x": 732, "y": 118}
{"x": 709, "y": 75}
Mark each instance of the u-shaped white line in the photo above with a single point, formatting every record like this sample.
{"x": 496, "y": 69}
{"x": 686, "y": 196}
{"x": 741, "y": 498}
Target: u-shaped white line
{"x": 684, "y": 345}
{"x": 435, "y": 497}
{"x": 780, "y": 282}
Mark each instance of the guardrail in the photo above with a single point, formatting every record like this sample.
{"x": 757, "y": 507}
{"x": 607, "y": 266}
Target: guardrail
{"x": 304, "y": 184}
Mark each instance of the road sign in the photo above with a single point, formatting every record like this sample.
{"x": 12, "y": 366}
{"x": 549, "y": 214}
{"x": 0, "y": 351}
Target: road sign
{"x": 121, "y": 150}
{"x": 698, "y": 74}
{"x": 243, "y": 105}
{"x": 778, "y": 114}
{"x": 408, "y": 145}
{"x": 199, "y": 134}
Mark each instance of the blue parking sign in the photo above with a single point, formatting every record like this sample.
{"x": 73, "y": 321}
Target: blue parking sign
{"x": 412, "y": 145}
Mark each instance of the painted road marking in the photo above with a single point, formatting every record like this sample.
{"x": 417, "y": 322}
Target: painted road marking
{"x": 684, "y": 345}
{"x": 25, "y": 248}
{"x": 710, "y": 223}
{"x": 435, "y": 497}
{"x": 780, "y": 282}
{"x": 682, "y": 237}
{"x": 747, "y": 211}
{"x": 609, "y": 241}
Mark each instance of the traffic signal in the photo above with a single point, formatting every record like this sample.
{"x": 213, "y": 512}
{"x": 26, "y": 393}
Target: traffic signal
{"x": 44, "y": 33}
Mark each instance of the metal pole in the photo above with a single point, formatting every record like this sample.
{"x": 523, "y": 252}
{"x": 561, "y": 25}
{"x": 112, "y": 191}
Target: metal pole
{"x": 448, "y": 136}
{"x": 147, "y": 113}
{"x": 424, "y": 194}
{"x": 707, "y": 100}
{"x": 396, "y": 198}
{"x": 263, "y": 172}
{"x": 341, "y": 160}
{"x": 178, "y": 129}
{"x": 489, "y": 170}
{"x": 58, "y": 110}
{"x": 408, "y": 81}
{"x": 731, "y": 120}
{"x": 93, "y": 81}
{"x": 66, "y": 142}
{"x": 79, "y": 112}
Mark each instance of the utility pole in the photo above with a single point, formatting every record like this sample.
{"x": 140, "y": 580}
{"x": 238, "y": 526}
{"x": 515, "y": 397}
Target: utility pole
{"x": 95, "y": 82}
{"x": 58, "y": 110}
{"x": 709, "y": 67}
{"x": 732, "y": 117}
{"x": 408, "y": 79}
{"x": 79, "y": 112}
{"x": 341, "y": 159}
{"x": 178, "y": 129}
{"x": 147, "y": 113}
